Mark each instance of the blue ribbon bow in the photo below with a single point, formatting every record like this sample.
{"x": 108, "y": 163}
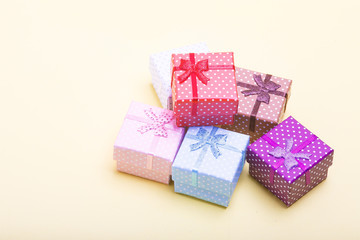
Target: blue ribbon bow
{"x": 212, "y": 139}
{"x": 206, "y": 140}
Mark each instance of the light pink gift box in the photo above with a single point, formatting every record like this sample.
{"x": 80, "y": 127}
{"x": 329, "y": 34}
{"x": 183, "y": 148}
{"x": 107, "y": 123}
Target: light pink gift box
{"x": 148, "y": 142}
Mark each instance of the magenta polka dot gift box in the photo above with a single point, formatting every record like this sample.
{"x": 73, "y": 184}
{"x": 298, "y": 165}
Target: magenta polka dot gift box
{"x": 148, "y": 142}
{"x": 262, "y": 102}
{"x": 204, "y": 89}
{"x": 289, "y": 160}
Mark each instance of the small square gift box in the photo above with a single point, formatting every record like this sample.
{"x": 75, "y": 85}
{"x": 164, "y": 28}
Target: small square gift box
{"x": 204, "y": 89}
{"x": 262, "y": 102}
{"x": 161, "y": 74}
{"x": 289, "y": 160}
{"x": 148, "y": 142}
{"x": 209, "y": 163}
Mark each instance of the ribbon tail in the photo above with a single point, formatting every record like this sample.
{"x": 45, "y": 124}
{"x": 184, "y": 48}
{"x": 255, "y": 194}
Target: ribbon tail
{"x": 144, "y": 129}
{"x": 197, "y": 145}
{"x": 250, "y": 92}
{"x": 215, "y": 150}
{"x": 271, "y": 176}
{"x": 204, "y": 79}
{"x": 263, "y": 97}
{"x": 161, "y": 131}
{"x": 307, "y": 178}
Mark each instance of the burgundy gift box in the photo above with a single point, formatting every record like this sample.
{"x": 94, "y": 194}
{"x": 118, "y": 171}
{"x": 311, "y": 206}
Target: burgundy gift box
{"x": 262, "y": 102}
{"x": 289, "y": 160}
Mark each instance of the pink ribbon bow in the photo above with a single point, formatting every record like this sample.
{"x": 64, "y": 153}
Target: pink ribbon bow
{"x": 158, "y": 123}
{"x": 192, "y": 68}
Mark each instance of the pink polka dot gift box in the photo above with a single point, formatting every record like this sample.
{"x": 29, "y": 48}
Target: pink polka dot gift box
{"x": 204, "y": 91}
{"x": 262, "y": 102}
{"x": 148, "y": 142}
{"x": 289, "y": 160}
{"x": 209, "y": 163}
{"x": 160, "y": 71}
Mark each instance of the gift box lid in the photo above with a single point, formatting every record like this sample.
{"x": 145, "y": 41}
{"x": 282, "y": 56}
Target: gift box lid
{"x": 289, "y": 149}
{"x": 150, "y": 130}
{"x": 160, "y": 65}
{"x": 215, "y": 155}
{"x": 273, "y": 95}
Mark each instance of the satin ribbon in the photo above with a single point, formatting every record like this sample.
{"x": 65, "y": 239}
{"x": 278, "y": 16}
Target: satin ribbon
{"x": 195, "y": 71}
{"x": 207, "y": 140}
{"x": 288, "y": 156}
{"x": 159, "y": 124}
{"x": 262, "y": 89}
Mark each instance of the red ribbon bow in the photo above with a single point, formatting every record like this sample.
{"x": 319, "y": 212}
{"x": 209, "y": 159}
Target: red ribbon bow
{"x": 192, "y": 68}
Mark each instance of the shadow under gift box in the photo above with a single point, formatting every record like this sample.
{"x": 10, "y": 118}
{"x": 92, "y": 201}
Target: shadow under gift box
{"x": 204, "y": 89}
{"x": 289, "y": 160}
{"x": 262, "y": 102}
{"x": 209, "y": 163}
{"x": 161, "y": 71}
{"x": 148, "y": 142}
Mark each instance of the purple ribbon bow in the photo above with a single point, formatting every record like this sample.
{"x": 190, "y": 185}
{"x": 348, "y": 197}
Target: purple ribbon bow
{"x": 262, "y": 89}
{"x": 289, "y": 158}
{"x": 158, "y": 123}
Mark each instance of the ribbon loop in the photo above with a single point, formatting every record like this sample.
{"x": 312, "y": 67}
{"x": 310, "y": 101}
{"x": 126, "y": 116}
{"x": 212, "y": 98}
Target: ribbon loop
{"x": 158, "y": 123}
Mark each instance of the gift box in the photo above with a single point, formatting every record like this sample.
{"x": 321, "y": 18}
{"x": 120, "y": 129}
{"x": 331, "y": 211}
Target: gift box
{"x": 209, "y": 163}
{"x": 289, "y": 160}
{"x": 204, "y": 88}
{"x": 161, "y": 74}
{"x": 262, "y": 102}
{"x": 148, "y": 142}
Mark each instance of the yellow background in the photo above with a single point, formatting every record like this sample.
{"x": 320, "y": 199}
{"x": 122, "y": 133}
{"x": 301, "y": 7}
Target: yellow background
{"x": 69, "y": 69}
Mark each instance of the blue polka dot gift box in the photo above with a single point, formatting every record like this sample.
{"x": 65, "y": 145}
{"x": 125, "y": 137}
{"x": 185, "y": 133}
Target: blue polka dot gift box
{"x": 262, "y": 102}
{"x": 160, "y": 71}
{"x": 204, "y": 89}
{"x": 289, "y": 160}
{"x": 209, "y": 163}
{"x": 148, "y": 142}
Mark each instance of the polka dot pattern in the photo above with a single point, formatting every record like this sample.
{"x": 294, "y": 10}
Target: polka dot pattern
{"x": 241, "y": 125}
{"x": 184, "y": 121}
{"x": 218, "y": 97}
{"x": 286, "y": 192}
{"x": 132, "y": 148}
{"x": 203, "y": 194}
{"x": 132, "y": 162}
{"x": 160, "y": 71}
{"x": 217, "y": 177}
{"x": 289, "y": 185}
{"x": 268, "y": 116}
